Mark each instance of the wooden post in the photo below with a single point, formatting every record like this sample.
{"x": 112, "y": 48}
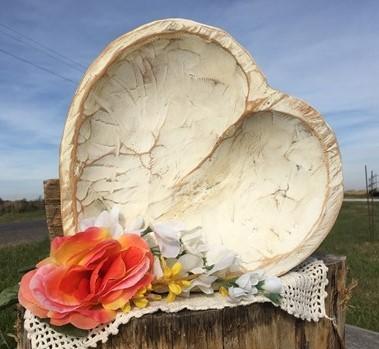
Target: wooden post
{"x": 53, "y": 207}
{"x": 257, "y": 326}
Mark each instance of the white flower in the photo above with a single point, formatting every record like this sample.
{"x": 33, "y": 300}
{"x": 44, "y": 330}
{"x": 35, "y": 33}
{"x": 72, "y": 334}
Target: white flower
{"x": 192, "y": 263}
{"x": 151, "y": 240}
{"x": 222, "y": 261}
{"x": 168, "y": 239}
{"x": 193, "y": 242}
{"x": 157, "y": 268}
{"x": 246, "y": 285}
{"x": 136, "y": 226}
{"x": 236, "y": 293}
{"x": 249, "y": 279}
{"x": 272, "y": 285}
{"x": 108, "y": 220}
{"x": 203, "y": 283}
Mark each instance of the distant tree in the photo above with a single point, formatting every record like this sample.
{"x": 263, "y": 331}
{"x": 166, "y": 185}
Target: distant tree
{"x": 18, "y": 206}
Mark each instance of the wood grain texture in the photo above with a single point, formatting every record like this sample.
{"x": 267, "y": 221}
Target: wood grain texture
{"x": 53, "y": 207}
{"x": 21, "y": 335}
{"x": 174, "y": 120}
{"x": 257, "y": 326}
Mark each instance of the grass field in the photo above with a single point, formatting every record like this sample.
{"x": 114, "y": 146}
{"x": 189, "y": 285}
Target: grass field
{"x": 12, "y": 258}
{"x": 349, "y": 237}
{"x": 22, "y": 216}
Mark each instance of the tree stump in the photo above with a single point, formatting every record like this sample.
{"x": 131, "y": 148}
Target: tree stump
{"x": 256, "y": 326}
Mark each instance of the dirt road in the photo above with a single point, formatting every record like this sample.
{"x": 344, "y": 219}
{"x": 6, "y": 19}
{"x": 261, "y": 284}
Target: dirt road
{"x": 12, "y": 233}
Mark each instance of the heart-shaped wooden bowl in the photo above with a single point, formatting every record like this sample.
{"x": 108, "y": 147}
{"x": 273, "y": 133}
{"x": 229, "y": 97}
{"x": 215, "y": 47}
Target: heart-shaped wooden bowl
{"x": 175, "y": 121}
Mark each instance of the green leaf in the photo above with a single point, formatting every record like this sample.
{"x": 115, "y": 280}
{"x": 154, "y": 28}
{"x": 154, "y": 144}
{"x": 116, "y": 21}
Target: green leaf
{"x": 273, "y": 297}
{"x": 155, "y": 251}
{"x": 9, "y": 296}
{"x": 260, "y": 284}
{"x": 225, "y": 283}
{"x": 146, "y": 231}
{"x": 70, "y": 330}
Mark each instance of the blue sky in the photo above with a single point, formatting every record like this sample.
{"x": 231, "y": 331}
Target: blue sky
{"x": 325, "y": 52}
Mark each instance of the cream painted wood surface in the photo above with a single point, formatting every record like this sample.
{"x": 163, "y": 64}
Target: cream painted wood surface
{"x": 175, "y": 121}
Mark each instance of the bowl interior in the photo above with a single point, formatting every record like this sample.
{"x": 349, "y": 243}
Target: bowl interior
{"x": 159, "y": 109}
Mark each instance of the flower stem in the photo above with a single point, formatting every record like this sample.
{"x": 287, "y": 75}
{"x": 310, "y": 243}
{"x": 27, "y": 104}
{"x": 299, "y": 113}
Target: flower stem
{"x": 146, "y": 231}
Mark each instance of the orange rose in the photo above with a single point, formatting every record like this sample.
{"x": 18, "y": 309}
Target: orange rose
{"x": 87, "y": 278}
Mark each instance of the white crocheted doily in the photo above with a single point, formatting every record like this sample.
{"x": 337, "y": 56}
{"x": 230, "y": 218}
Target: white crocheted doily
{"x": 303, "y": 296}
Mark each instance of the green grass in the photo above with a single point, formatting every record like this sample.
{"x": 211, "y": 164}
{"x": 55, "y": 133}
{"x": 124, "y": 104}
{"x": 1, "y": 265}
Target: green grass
{"x": 349, "y": 237}
{"x": 13, "y": 258}
{"x": 21, "y": 216}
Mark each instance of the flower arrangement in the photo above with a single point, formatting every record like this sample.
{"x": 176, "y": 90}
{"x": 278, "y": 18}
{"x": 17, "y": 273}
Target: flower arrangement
{"x": 105, "y": 269}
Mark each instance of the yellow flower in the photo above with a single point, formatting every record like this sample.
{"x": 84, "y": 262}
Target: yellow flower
{"x": 126, "y": 308}
{"x": 171, "y": 278}
{"x": 139, "y": 299}
{"x": 223, "y": 291}
{"x": 154, "y": 297}
{"x": 115, "y": 305}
